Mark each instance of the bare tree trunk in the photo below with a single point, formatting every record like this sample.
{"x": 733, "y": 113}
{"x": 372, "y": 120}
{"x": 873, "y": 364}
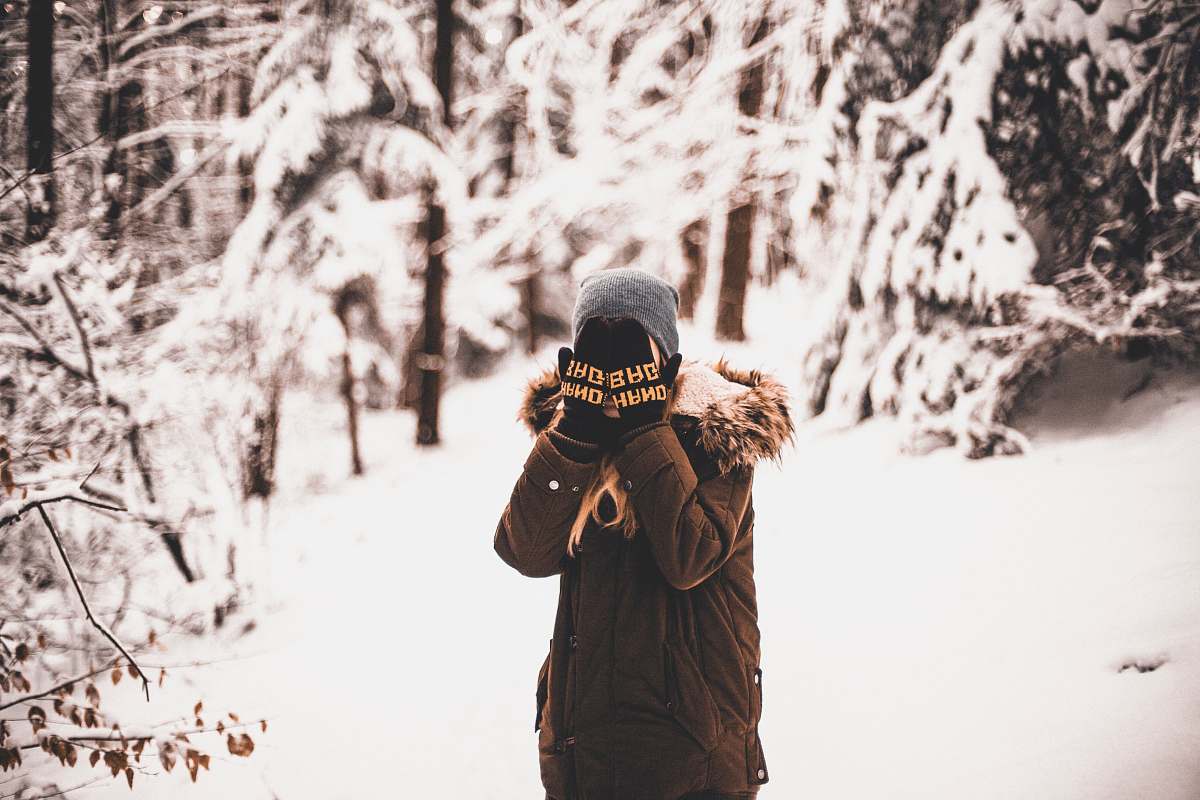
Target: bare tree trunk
{"x": 735, "y": 266}
{"x": 9, "y": 13}
{"x": 171, "y": 539}
{"x": 39, "y": 121}
{"x": 692, "y": 240}
{"x": 258, "y": 465}
{"x": 8, "y": 236}
{"x": 780, "y": 250}
{"x": 530, "y": 287}
{"x": 529, "y": 300}
{"x": 121, "y": 114}
{"x": 356, "y": 466}
{"x": 508, "y": 120}
{"x": 245, "y": 85}
{"x": 351, "y": 295}
{"x": 735, "y": 273}
{"x": 138, "y": 170}
{"x": 432, "y": 358}
{"x": 409, "y": 396}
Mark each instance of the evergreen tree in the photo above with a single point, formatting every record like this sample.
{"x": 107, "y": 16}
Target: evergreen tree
{"x": 997, "y": 206}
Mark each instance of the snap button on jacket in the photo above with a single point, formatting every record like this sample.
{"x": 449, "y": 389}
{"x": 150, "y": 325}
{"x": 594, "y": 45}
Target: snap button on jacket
{"x": 651, "y": 687}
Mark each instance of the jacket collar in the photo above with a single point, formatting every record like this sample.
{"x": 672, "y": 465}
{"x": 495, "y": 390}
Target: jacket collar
{"x": 742, "y": 416}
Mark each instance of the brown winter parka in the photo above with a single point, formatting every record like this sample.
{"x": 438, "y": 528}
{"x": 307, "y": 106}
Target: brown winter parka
{"x": 651, "y": 687}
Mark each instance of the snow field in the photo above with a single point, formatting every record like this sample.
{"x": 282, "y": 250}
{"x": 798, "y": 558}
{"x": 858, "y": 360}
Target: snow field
{"x": 932, "y": 627}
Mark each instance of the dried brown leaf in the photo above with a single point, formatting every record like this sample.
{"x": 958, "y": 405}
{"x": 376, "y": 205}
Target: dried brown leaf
{"x": 37, "y": 718}
{"x": 241, "y": 745}
{"x": 116, "y": 760}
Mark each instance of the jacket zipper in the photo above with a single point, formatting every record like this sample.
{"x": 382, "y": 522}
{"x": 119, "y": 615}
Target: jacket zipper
{"x": 573, "y": 643}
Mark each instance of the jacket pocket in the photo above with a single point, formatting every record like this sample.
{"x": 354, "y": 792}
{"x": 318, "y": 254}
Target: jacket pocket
{"x": 688, "y": 698}
{"x": 543, "y": 690}
{"x": 756, "y": 762}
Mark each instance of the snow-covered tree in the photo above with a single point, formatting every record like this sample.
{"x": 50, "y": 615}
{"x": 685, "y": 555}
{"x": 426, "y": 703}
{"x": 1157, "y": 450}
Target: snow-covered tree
{"x": 114, "y": 530}
{"x": 644, "y": 128}
{"x": 340, "y": 109}
{"x": 105, "y": 498}
{"x": 1013, "y": 193}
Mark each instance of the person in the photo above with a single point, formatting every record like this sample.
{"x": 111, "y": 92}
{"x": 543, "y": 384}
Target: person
{"x": 637, "y": 495}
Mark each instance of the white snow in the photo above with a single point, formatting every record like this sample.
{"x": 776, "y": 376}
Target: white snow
{"x": 932, "y": 627}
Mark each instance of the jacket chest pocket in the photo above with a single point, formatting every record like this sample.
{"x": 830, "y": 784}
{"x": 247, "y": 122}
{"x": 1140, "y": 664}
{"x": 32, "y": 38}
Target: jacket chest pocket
{"x": 688, "y": 698}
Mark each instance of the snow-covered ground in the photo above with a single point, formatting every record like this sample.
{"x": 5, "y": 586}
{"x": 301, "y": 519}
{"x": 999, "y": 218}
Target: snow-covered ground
{"x": 932, "y": 627}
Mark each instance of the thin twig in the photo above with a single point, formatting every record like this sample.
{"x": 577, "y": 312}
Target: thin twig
{"x": 117, "y": 735}
{"x": 9, "y": 173}
{"x": 57, "y": 687}
{"x": 32, "y": 504}
{"x": 83, "y": 337}
{"x": 100, "y": 626}
{"x": 179, "y": 178}
{"x": 59, "y": 793}
{"x": 46, "y": 349}
{"x": 99, "y": 461}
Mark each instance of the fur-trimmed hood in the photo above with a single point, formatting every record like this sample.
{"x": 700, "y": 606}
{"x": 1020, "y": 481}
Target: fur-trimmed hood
{"x": 742, "y": 416}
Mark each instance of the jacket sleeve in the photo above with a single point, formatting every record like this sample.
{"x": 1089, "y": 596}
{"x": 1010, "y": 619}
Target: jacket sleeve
{"x": 692, "y": 524}
{"x": 532, "y": 533}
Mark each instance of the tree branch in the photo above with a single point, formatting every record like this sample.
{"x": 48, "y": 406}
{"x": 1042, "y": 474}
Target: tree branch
{"x": 134, "y": 735}
{"x": 46, "y": 349}
{"x": 181, "y": 128}
{"x": 100, "y": 626}
{"x": 15, "y": 516}
{"x": 47, "y": 692}
{"x": 83, "y": 338}
{"x": 161, "y": 31}
{"x": 178, "y": 179}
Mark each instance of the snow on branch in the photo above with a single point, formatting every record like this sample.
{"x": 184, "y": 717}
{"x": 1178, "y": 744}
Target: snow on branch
{"x": 987, "y": 234}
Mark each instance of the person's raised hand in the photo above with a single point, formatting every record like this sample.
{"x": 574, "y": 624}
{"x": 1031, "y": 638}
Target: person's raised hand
{"x": 638, "y": 386}
{"x": 582, "y": 373}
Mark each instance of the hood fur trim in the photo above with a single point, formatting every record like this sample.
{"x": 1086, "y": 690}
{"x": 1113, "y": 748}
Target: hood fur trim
{"x": 742, "y": 416}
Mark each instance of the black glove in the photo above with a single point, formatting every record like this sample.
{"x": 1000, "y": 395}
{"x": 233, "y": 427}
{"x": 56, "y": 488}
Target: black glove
{"x": 637, "y": 385}
{"x": 582, "y": 373}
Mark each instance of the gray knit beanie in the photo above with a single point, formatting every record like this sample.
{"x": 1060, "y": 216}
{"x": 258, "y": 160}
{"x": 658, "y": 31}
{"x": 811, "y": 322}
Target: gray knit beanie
{"x": 630, "y": 293}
